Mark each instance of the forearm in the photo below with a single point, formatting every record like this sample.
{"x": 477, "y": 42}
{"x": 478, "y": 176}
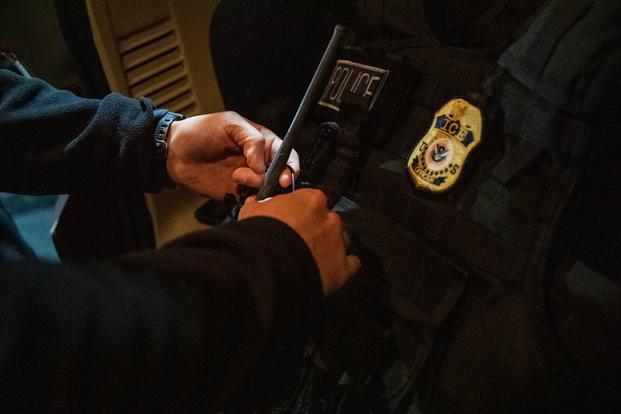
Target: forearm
{"x": 181, "y": 329}
{"x": 55, "y": 142}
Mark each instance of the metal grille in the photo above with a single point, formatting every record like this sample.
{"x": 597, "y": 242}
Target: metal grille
{"x": 154, "y": 67}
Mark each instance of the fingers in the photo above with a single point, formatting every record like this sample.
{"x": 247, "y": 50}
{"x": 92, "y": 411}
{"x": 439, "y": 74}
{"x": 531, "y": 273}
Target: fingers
{"x": 270, "y": 137}
{"x": 352, "y": 262}
{"x": 273, "y": 143}
{"x": 285, "y": 179}
{"x": 250, "y": 139}
{"x": 307, "y": 213}
{"x": 294, "y": 158}
{"x": 346, "y": 239}
{"x": 246, "y": 176}
{"x": 353, "y": 266}
{"x": 249, "y": 178}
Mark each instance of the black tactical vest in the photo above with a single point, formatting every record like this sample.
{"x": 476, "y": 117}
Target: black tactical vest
{"x": 456, "y": 217}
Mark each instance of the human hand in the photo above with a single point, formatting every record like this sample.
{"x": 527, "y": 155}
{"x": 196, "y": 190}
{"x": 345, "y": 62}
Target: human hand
{"x": 213, "y": 154}
{"x": 306, "y": 212}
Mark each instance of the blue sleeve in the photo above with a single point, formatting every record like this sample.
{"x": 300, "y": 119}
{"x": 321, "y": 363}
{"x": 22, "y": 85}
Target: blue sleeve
{"x": 55, "y": 142}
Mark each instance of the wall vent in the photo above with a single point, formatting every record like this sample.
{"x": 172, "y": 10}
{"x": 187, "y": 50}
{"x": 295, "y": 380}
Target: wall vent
{"x": 154, "y": 67}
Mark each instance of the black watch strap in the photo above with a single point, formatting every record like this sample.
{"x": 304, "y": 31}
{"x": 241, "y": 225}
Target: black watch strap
{"x": 161, "y": 147}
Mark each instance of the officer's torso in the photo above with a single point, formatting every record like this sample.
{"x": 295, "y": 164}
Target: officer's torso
{"x": 452, "y": 173}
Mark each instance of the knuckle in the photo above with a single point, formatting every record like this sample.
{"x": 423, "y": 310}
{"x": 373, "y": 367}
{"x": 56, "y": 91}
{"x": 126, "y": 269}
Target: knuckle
{"x": 259, "y": 138}
{"x": 230, "y": 114}
{"x": 334, "y": 220}
{"x": 318, "y": 198}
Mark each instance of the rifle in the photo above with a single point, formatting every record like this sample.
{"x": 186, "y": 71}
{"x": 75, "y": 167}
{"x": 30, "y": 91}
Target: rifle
{"x": 278, "y": 164}
{"x": 214, "y": 213}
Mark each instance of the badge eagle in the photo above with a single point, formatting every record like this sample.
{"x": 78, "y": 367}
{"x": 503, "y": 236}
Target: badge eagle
{"x": 438, "y": 159}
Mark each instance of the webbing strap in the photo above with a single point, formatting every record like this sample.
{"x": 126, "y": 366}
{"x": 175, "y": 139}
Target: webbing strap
{"x": 386, "y": 192}
{"x": 403, "y": 294}
{"x": 515, "y": 162}
{"x": 542, "y": 126}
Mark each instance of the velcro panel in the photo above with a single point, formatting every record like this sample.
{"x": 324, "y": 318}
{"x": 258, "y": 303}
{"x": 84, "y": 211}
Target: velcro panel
{"x": 379, "y": 87}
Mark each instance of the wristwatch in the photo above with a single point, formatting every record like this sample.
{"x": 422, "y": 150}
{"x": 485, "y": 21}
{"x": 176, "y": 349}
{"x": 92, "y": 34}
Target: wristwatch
{"x": 161, "y": 146}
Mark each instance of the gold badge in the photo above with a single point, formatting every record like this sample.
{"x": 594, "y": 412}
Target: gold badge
{"x": 438, "y": 160}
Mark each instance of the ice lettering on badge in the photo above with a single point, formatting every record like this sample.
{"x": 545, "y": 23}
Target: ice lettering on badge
{"x": 438, "y": 159}
{"x": 364, "y": 81}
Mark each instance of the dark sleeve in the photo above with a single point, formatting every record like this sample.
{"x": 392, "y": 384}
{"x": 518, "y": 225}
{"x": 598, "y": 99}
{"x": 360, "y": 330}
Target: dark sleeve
{"x": 179, "y": 330}
{"x": 55, "y": 142}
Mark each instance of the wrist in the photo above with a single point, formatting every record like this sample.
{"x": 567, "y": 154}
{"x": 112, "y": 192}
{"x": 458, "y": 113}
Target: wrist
{"x": 163, "y": 131}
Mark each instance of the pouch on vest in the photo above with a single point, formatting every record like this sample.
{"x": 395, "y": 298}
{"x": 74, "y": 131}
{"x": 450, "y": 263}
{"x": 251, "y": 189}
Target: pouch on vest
{"x": 360, "y": 104}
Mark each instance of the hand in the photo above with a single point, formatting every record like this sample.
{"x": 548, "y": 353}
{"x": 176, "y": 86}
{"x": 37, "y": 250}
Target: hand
{"x": 213, "y": 154}
{"x": 306, "y": 212}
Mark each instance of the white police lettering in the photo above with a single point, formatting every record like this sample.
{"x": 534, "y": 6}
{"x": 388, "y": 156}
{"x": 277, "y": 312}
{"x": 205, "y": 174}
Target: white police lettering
{"x": 363, "y": 81}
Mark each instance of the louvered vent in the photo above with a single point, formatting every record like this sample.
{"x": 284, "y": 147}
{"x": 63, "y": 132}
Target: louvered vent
{"x": 154, "y": 67}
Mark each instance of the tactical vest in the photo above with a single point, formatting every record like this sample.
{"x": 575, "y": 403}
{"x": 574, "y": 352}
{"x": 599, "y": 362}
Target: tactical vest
{"x": 449, "y": 312}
